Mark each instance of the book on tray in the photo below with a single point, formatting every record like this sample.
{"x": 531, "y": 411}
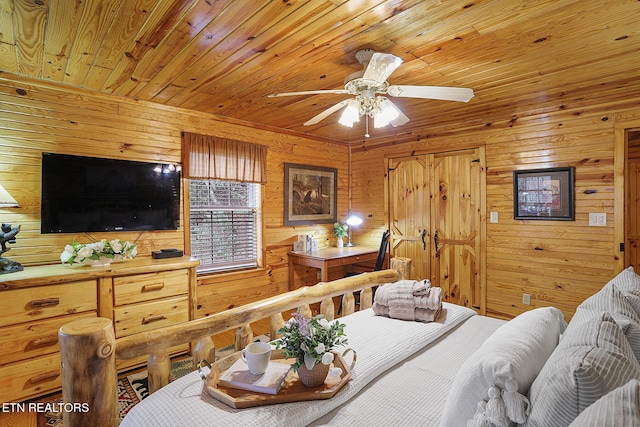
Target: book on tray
{"x": 238, "y": 376}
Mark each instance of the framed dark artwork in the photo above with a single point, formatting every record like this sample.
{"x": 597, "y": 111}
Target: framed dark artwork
{"x": 309, "y": 194}
{"x": 544, "y": 194}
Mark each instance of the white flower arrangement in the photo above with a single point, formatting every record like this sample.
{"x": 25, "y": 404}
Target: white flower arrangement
{"x": 86, "y": 253}
{"x": 310, "y": 340}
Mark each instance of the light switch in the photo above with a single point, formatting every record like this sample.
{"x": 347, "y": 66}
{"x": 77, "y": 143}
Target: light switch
{"x": 597, "y": 219}
{"x": 493, "y": 217}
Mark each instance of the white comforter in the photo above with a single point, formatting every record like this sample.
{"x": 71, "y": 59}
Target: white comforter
{"x": 414, "y": 392}
{"x": 380, "y": 343}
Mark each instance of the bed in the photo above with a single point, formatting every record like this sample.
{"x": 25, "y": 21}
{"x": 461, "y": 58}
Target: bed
{"x": 462, "y": 369}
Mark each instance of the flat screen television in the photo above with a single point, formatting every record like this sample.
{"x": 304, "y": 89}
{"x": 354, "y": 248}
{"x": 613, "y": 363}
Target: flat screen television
{"x": 90, "y": 194}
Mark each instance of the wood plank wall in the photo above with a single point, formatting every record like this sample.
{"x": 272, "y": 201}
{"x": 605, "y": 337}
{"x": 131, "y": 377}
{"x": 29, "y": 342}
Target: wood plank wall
{"x": 558, "y": 263}
{"x": 37, "y": 117}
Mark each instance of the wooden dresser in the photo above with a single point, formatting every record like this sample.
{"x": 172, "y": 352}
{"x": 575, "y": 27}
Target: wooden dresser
{"x": 137, "y": 295}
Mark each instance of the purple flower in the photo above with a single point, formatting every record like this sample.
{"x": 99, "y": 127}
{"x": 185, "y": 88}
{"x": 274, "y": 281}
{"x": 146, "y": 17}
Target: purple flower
{"x": 303, "y": 324}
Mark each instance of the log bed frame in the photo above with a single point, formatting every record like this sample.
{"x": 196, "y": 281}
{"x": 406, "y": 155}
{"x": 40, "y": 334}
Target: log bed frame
{"x": 89, "y": 349}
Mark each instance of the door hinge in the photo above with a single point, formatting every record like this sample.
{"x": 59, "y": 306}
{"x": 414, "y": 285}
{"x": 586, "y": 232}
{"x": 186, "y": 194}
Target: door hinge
{"x": 475, "y": 161}
{"x": 621, "y": 247}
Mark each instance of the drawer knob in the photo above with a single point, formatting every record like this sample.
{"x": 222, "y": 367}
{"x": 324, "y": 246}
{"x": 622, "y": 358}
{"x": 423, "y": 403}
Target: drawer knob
{"x": 152, "y": 287}
{"x": 46, "y": 376}
{"x": 45, "y": 302}
{"x": 149, "y": 319}
{"x": 44, "y": 341}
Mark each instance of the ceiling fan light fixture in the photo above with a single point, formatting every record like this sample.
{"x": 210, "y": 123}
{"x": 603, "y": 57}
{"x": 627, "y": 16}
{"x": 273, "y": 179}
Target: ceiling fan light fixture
{"x": 385, "y": 114}
{"x": 368, "y": 84}
{"x": 351, "y": 114}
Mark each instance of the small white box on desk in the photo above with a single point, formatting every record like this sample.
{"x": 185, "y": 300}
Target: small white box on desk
{"x": 303, "y": 239}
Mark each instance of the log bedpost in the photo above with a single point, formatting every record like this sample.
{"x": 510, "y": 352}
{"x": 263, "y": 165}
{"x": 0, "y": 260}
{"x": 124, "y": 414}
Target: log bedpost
{"x": 348, "y": 304}
{"x": 275, "y": 323}
{"x": 366, "y": 298}
{"x": 402, "y": 266}
{"x": 244, "y": 335}
{"x": 327, "y": 308}
{"x": 306, "y": 310}
{"x": 159, "y": 370}
{"x": 203, "y": 348}
{"x": 89, "y": 343}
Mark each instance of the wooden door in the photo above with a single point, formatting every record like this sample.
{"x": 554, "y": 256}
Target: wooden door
{"x": 409, "y": 212}
{"x": 455, "y": 225}
{"x": 632, "y": 202}
{"x": 434, "y": 216}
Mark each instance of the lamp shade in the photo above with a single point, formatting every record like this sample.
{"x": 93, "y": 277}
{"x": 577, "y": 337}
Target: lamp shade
{"x": 354, "y": 220}
{"x": 6, "y": 200}
{"x": 385, "y": 114}
{"x": 351, "y": 114}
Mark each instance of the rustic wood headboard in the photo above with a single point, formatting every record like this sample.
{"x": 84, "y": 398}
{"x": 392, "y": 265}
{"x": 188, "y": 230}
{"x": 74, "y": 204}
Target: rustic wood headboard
{"x": 89, "y": 349}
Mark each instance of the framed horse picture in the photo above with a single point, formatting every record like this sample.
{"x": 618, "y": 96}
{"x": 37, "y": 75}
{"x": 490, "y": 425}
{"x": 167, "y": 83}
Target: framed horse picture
{"x": 309, "y": 194}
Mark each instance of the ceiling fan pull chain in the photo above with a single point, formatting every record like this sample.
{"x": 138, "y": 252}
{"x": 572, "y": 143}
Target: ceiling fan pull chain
{"x": 366, "y": 124}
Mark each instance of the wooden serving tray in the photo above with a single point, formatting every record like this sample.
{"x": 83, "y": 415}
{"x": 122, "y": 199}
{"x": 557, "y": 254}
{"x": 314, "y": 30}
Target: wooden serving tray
{"x": 292, "y": 390}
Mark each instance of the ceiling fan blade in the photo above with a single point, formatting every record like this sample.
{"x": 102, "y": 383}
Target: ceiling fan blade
{"x": 461, "y": 94}
{"x": 326, "y": 113}
{"x": 381, "y": 66}
{"x": 310, "y": 92}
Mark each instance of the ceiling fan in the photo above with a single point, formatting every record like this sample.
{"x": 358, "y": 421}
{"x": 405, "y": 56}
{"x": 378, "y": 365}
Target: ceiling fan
{"x": 371, "y": 82}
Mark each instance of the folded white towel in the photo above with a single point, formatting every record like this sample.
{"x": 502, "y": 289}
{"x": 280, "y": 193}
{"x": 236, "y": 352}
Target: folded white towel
{"x": 421, "y": 287}
{"x": 408, "y": 300}
{"x": 420, "y": 314}
{"x": 432, "y": 300}
{"x": 401, "y": 306}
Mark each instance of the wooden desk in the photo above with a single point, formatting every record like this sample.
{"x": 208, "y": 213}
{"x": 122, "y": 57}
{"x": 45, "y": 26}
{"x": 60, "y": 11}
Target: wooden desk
{"x": 326, "y": 258}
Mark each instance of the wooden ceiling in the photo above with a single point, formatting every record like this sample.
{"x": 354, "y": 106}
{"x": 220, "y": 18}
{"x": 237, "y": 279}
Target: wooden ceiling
{"x": 519, "y": 56}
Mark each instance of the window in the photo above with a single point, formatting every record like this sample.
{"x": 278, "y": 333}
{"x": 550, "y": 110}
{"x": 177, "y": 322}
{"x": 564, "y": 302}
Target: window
{"x": 225, "y": 188}
{"x": 225, "y": 224}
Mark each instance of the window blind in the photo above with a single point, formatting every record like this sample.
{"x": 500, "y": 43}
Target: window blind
{"x": 223, "y": 224}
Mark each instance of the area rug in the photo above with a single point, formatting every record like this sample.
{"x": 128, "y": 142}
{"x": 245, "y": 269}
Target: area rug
{"x": 132, "y": 387}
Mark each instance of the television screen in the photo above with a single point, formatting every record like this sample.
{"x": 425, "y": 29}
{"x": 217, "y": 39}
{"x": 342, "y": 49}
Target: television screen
{"x": 89, "y": 194}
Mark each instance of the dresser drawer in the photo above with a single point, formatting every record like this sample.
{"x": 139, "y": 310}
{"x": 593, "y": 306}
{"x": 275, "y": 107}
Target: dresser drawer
{"x": 144, "y": 287}
{"x": 134, "y": 318}
{"x": 30, "y": 378}
{"x": 27, "y": 340}
{"x": 41, "y": 302}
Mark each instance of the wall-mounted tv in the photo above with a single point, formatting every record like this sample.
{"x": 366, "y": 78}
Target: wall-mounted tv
{"x": 90, "y": 194}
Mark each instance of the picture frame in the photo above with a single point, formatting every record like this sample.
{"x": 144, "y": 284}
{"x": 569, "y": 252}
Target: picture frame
{"x": 310, "y": 194}
{"x": 545, "y": 194}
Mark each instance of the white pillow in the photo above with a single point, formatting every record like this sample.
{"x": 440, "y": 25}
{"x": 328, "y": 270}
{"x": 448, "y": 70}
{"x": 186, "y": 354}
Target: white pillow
{"x": 593, "y": 358}
{"x": 628, "y": 282}
{"x": 611, "y": 300}
{"x": 518, "y": 350}
{"x": 616, "y": 408}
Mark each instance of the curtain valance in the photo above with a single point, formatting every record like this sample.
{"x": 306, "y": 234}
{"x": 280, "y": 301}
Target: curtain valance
{"x": 210, "y": 157}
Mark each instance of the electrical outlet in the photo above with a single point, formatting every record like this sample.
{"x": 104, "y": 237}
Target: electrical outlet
{"x": 526, "y": 299}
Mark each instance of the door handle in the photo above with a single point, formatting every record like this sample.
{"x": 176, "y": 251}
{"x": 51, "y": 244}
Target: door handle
{"x": 424, "y": 243}
{"x": 435, "y": 240}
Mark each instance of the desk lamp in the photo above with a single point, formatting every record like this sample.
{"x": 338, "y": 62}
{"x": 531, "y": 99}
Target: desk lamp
{"x": 351, "y": 221}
